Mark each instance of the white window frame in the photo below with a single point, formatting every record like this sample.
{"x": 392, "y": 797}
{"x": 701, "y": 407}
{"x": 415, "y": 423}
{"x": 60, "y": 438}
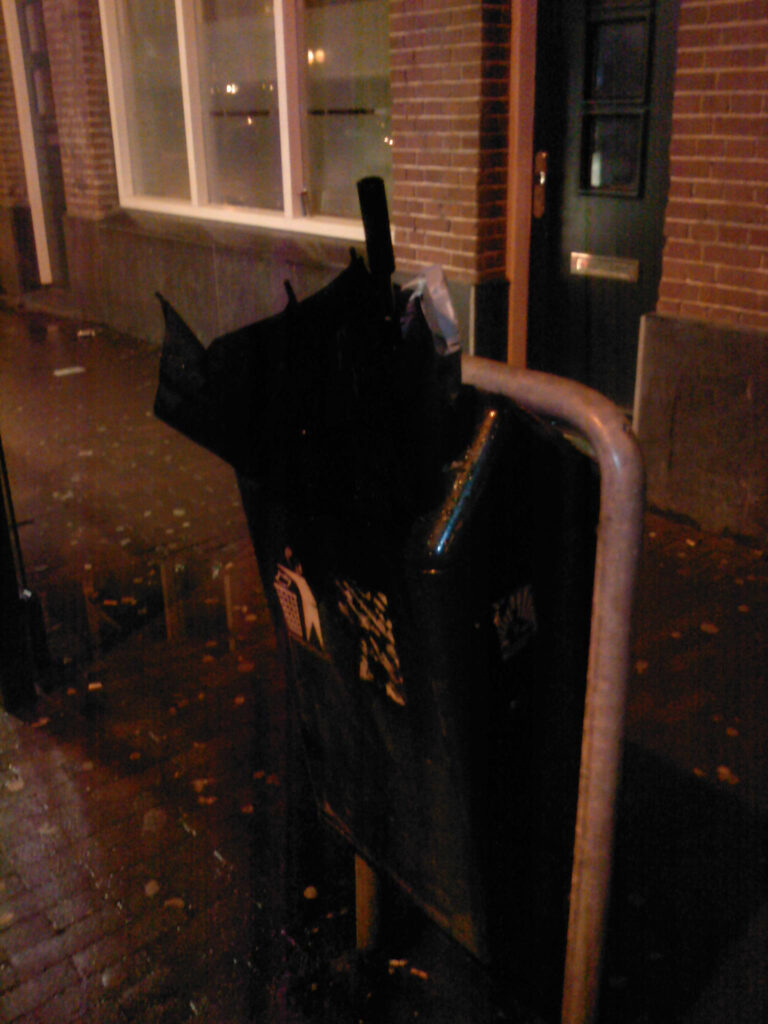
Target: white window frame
{"x": 289, "y": 51}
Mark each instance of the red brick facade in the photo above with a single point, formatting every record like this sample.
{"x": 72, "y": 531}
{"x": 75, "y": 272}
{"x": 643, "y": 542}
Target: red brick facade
{"x": 716, "y": 255}
{"x": 450, "y": 101}
{"x": 73, "y": 31}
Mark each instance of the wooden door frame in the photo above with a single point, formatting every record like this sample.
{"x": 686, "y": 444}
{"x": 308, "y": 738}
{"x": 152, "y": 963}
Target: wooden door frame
{"x": 522, "y": 80}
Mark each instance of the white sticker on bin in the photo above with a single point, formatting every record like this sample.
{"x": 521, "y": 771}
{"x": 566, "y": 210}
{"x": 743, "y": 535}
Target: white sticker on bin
{"x": 300, "y": 611}
{"x": 379, "y": 661}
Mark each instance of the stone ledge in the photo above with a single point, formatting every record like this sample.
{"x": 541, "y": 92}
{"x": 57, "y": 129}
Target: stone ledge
{"x": 701, "y": 415}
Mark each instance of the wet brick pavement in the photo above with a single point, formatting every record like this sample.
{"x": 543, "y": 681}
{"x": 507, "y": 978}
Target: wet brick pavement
{"x": 159, "y": 859}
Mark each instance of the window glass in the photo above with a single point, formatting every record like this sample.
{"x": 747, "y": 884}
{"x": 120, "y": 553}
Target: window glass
{"x": 614, "y": 151}
{"x": 614, "y": 101}
{"x": 348, "y": 128}
{"x": 152, "y": 95}
{"x": 199, "y": 114}
{"x": 238, "y": 92}
{"x": 618, "y": 57}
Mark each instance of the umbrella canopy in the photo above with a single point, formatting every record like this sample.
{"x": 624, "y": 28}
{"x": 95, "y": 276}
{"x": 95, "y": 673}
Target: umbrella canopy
{"x": 331, "y": 406}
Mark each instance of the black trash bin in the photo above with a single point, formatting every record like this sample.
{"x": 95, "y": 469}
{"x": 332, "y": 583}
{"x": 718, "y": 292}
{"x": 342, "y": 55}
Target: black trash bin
{"x": 440, "y": 689}
{"x": 427, "y": 552}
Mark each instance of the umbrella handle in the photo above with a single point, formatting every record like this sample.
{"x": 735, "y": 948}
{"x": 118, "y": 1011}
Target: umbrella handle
{"x": 378, "y": 238}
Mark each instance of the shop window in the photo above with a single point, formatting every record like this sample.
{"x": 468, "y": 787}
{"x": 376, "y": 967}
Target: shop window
{"x": 249, "y": 110}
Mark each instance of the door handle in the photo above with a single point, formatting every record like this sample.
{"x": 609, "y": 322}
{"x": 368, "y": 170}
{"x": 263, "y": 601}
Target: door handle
{"x": 540, "y": 183}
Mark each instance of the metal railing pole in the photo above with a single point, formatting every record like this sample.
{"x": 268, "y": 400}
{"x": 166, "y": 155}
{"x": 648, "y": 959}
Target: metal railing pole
{"x": 618, "y": 547}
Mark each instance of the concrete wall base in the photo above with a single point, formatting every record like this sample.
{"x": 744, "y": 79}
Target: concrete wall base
{"x": 701, "y": 414}
{"x": 221, "y": 277}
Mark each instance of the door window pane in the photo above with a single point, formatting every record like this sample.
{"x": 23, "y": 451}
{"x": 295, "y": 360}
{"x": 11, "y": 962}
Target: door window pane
{"x": 617, "y": 56}
{"x": 614, "y": 152}
{"x": 614, "y": 99}
{"x": 238, "y": 91}
{"x": 348, "y": 127}
{"x": 154, "y": 112}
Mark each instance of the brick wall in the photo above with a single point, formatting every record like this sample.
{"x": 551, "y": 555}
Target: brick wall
{"x": 76, "y": 54}
{"x": 13, "y": 188}
{"x": 716, "y": 254}
{"x": 450, "y": 96}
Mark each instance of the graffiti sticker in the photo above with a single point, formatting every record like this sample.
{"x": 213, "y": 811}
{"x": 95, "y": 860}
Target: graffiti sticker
{"x": 300, "y": 611}
{"x": 379, "y": 662}
{"x": 514, "y": 617}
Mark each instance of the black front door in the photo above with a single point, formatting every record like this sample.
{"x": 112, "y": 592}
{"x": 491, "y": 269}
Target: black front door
{"x": 602, "y": 124}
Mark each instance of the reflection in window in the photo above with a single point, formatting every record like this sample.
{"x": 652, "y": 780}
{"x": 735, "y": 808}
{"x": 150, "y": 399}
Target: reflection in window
{"x": 205, "y": 89}
{"x": 238, "y": 92}
{"x": 348, "y": 128}
{"x": 152, "y": 96}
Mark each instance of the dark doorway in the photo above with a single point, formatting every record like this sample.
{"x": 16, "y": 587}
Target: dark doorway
{"x": 604, "y": 77}
{"x": 45, "y": 129}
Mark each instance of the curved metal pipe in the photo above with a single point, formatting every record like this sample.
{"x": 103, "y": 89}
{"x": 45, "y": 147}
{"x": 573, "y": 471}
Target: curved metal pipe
{"x": 616, "y": 563}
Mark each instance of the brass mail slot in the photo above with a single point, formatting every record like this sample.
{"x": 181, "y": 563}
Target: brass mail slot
{"x": 615, "y": 268}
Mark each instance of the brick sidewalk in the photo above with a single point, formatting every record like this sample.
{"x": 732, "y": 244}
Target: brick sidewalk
{"x": 133, "y": 798}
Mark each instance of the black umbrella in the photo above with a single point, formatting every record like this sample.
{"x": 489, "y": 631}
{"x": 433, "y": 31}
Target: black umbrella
{"x": 331, "y": 406}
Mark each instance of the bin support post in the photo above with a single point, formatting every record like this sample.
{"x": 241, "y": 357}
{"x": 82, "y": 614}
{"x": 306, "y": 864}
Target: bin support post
{"x": 367, "y": 904}
{"x": 618, "y": 547}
